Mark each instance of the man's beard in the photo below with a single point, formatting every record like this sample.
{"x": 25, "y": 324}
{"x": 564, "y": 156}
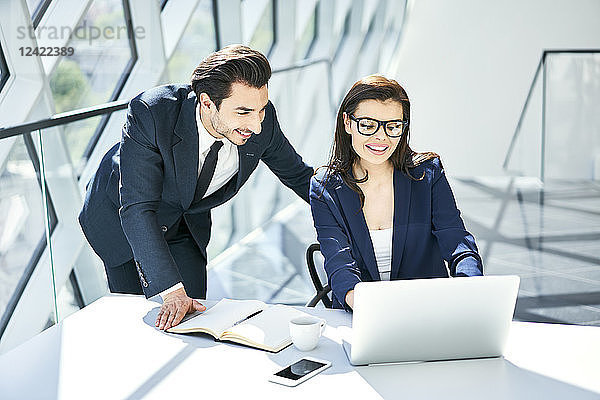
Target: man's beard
{"x": 226, "y": 132}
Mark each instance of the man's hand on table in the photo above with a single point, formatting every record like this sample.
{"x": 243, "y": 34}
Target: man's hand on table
{"x": 175, "y": 306}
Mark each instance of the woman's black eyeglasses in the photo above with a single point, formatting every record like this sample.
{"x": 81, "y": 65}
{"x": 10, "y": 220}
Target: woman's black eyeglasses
{"x": 369, "y": 126}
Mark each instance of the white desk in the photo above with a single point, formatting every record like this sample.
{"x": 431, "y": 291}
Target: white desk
{"x": 111, "y": 350}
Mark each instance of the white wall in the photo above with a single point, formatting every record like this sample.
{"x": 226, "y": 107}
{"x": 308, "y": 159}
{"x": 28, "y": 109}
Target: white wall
{"x": 467, "y": 66}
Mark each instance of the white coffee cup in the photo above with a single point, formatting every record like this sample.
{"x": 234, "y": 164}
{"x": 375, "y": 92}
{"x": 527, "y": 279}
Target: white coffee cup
{"x": 306, "y": 331}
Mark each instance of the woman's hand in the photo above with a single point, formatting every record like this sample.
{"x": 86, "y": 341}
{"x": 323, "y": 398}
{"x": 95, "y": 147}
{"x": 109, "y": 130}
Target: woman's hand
{"x": 350, "y": 298}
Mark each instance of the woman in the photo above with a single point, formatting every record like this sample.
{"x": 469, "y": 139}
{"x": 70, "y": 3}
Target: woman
{"x": 381, "y": 210}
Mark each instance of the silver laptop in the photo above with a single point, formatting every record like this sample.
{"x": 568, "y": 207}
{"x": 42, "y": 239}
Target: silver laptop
{"x": 431, "y": 319}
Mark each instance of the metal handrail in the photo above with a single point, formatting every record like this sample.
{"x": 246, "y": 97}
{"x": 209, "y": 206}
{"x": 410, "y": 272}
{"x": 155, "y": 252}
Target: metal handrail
{"x": 302, "y": 64}
{"x": 108, "y": 108}
{"x": 308, "y": 63}
{"x": 64, "y": 118}
{"x": 540, "y": 67}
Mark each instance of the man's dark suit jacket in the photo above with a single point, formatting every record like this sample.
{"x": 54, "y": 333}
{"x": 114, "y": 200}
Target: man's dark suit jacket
{"x": 145, "y": 184}
{"x": 427, "y": 230}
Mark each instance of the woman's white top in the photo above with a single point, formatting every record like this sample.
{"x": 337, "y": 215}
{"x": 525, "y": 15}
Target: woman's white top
{"x": 382, "y": 246}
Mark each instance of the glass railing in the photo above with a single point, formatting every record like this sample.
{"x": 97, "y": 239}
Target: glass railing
{"x": 44, "y": 165}
{"x": 24, "y": 224}
{"x": 558, "y": 133}
{"x": 260, "y": 236}
{"x": 307, "y": 128}
{"x": 35, "y": 158}
{"x": 41, "y": 259}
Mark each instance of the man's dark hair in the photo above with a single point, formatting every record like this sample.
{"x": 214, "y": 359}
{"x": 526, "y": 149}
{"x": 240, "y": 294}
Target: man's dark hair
{"x": 235, "y": 63}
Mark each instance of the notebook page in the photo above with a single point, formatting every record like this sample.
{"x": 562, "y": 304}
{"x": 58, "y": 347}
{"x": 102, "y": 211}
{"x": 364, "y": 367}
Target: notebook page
{"x": 221, "y": 316}
{"x": 270, "y": 327}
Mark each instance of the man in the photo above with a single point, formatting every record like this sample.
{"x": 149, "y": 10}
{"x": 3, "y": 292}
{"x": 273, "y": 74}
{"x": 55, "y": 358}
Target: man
{"x": 184, "y": 150}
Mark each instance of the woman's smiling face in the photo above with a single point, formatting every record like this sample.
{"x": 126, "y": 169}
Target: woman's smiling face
{"x": 377, "y": 148}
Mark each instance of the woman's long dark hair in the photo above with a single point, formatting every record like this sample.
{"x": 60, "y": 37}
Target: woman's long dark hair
{"x": 343, "y": 156}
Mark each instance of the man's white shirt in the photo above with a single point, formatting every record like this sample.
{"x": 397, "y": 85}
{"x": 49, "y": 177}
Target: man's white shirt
{"x": 228, "y": 164}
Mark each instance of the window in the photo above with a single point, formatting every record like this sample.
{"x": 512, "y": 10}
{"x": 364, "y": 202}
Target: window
{"x": 368, "y": 35}
{"x": 32, "y": 5}
{"x": 258, "y": 24}
{"x": 95, "y": 73}
{"x": 197, "y": 41}
{"x": 4, "y": 74}
{"x": 308, "y": 25}
{"x": 22, "y": 224}
{"x": 37, "y": 8}
{"x": 341, "y": 34}
{"x": 68, "y": 298}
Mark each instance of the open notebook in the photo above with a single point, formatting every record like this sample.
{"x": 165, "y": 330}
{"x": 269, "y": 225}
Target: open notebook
{"x": 248, "y": 322}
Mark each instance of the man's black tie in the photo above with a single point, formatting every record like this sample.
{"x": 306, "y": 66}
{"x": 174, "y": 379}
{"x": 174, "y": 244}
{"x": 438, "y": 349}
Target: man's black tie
{"x": 207, "y": 171}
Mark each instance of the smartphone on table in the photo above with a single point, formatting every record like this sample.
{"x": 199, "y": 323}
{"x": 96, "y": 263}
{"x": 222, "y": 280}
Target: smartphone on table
{"x": 300, "y": 371}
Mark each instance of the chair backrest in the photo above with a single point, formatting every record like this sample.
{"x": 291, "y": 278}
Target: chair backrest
{"x": 322, "y": 291}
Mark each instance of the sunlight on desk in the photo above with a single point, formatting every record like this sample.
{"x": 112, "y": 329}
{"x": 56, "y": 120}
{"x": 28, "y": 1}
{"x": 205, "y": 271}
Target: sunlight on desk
{"x": 111, "y": 349}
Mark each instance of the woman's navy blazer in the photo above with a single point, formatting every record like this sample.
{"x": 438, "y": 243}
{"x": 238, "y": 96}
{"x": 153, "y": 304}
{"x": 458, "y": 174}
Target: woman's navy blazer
{"x": 427, "y": 230}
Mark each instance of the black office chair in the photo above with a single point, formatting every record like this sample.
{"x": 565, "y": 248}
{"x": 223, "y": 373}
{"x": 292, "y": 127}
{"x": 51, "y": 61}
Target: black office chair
{"x": 322, "y": 291}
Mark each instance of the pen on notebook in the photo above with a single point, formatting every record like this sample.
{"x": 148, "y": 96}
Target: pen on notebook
{"x": 247, "y": 318}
